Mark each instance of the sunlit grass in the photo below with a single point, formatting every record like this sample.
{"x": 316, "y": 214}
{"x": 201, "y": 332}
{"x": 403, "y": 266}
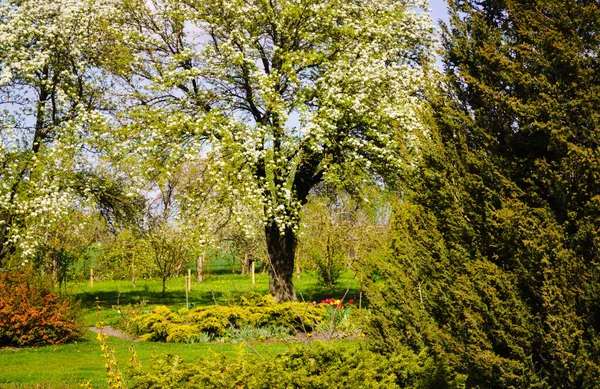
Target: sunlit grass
{"x": 69, "y": 365}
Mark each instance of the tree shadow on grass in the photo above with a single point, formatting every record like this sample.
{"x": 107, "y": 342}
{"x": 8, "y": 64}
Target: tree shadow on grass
{"x": 319, "y": 292}
{"x": 174, "y": 298}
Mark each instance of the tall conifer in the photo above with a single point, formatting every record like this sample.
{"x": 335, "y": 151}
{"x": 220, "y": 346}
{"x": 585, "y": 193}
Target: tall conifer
{"x": 497, "y": 244}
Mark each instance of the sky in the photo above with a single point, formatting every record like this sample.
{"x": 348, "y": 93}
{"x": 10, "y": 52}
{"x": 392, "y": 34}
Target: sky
{"x": 439, "y": 10}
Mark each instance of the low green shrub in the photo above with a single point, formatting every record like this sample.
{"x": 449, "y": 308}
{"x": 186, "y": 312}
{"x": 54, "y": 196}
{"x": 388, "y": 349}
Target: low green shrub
{"x": 314, "y": 365}
{"x": 32, "y": 314}
{"x": 249, "y": 333}
{"x": 255, "y": 311}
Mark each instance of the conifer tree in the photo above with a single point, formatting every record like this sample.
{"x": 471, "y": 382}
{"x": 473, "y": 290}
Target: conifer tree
{"x": 496, "y": 245}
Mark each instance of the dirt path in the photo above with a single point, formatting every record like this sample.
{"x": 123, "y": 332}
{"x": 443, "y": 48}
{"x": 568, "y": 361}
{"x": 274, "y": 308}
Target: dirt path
{"x": 112, "y": 332}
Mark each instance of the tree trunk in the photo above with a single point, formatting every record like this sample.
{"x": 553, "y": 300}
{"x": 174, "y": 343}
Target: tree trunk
{"x": 164, "y": 287}
{"x": 282, "y": 249}
{"x": 200, "y": 268}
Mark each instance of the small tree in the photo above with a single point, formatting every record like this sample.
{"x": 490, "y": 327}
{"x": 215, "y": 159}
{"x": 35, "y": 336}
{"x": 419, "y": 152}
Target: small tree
{"x": 339, "y": 231}
{"x": 169, "y": 248}
{"x": 324, "y": 243}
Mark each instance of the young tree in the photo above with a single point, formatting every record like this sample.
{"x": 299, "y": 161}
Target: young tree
{"x": 169, "y": 247}
{"x": 340, "y": 232}
{"x": 285, "y": 93}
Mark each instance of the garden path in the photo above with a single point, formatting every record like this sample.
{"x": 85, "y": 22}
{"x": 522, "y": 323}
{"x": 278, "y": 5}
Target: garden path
{"x": 108, "y": 330}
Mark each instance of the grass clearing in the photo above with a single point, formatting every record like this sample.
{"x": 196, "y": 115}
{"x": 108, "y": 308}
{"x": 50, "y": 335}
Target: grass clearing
{"x": 77, "y": 362}
{"x": 71, "y": 364}
{"x": 222, "y": 288}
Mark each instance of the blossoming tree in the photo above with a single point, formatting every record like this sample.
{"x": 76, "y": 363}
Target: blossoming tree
{"x": 51, "y": 104}
{"x": 282, "y": 94}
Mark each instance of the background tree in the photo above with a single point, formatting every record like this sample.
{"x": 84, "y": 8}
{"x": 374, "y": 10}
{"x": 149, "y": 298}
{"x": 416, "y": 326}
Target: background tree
{"x": 496, "y": 245}
{"x": 340, "y": 231}
{"x": 124, "y": 254}
{"x": 324, "y": 238}
{"x": 286, "y": 94}
{"x": 52, "y": 90}
{"x": 169, "y": 247}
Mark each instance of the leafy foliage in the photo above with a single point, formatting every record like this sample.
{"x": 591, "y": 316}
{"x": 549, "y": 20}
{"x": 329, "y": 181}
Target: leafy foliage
{"x": 52, "y": 107}
{"x": 32, "y": 314}
{"x": 339, "y": 231}
{"x": 287, "y": 94}
{"x": 215, "y": 321}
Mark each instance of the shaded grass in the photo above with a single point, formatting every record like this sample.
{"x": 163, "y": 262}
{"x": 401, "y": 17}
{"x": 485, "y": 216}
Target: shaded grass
{"x": 109, "y": 295}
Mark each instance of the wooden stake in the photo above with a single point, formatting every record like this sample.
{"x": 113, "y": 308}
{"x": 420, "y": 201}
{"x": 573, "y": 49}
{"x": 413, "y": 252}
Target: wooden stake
{"x": 189, "y": 280}
{"x": 133, "y": 270}
{"x": 252, "y": 271}
{"x": 360, "y": 298}
{"x": 91, "y": 277}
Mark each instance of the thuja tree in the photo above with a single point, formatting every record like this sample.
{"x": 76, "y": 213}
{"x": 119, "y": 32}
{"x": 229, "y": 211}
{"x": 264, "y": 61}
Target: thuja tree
{"x": 285, "y": 94}
{"x": 51, "y": 89}
{"x": 496, "y": 247}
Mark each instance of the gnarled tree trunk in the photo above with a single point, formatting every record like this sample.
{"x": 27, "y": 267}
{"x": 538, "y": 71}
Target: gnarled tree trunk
{"x": 282, "y": 249}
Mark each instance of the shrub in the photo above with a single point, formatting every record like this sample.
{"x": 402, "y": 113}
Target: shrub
{"x": 316, "y": 365}
{"x": 254, "y": 311}
{"x": 32, "y": 314}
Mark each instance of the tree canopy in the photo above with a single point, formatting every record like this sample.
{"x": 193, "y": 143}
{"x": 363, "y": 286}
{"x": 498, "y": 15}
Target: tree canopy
{"x": 281, "y": 95}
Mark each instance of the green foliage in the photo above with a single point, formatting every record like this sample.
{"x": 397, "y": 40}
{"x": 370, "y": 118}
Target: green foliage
{"x": 339, "y": 230}
{"x": 32, "y": 314}
{"x": 324, "y": 243}
{"x": 494, "y": 258}
{"x": 215, "y": 321}
{"x": 351, "y": 72}
{"x": 124, "y": 256}
{"x": 317, "y": 365}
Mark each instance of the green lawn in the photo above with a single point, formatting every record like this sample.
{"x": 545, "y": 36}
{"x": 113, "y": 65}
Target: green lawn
{"x": 74, "y": 363}
{"x": 111, "y": 294}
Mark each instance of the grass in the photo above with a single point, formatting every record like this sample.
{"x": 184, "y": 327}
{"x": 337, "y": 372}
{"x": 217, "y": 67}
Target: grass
{"x": 69, "y": 365}
{"x": 111, "y": 294}
{"x": 75, "y": 363}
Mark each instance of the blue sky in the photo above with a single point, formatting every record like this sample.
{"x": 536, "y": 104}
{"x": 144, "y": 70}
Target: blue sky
{"x": 439, "y": 10}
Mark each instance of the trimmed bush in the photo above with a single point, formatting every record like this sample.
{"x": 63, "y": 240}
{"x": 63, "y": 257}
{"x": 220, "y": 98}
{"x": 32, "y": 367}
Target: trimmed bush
{"x": 32, "y": 314}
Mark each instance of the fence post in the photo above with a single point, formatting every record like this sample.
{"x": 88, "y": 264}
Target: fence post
{"x": 187, "y": 283}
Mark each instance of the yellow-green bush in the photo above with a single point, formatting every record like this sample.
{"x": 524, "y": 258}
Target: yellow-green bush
{"x": 315, "y": 365}
{"x": 254, "y": 311}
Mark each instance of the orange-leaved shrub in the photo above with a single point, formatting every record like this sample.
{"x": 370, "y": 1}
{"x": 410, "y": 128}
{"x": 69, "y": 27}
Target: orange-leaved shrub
{"x": 32, "y": 314}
